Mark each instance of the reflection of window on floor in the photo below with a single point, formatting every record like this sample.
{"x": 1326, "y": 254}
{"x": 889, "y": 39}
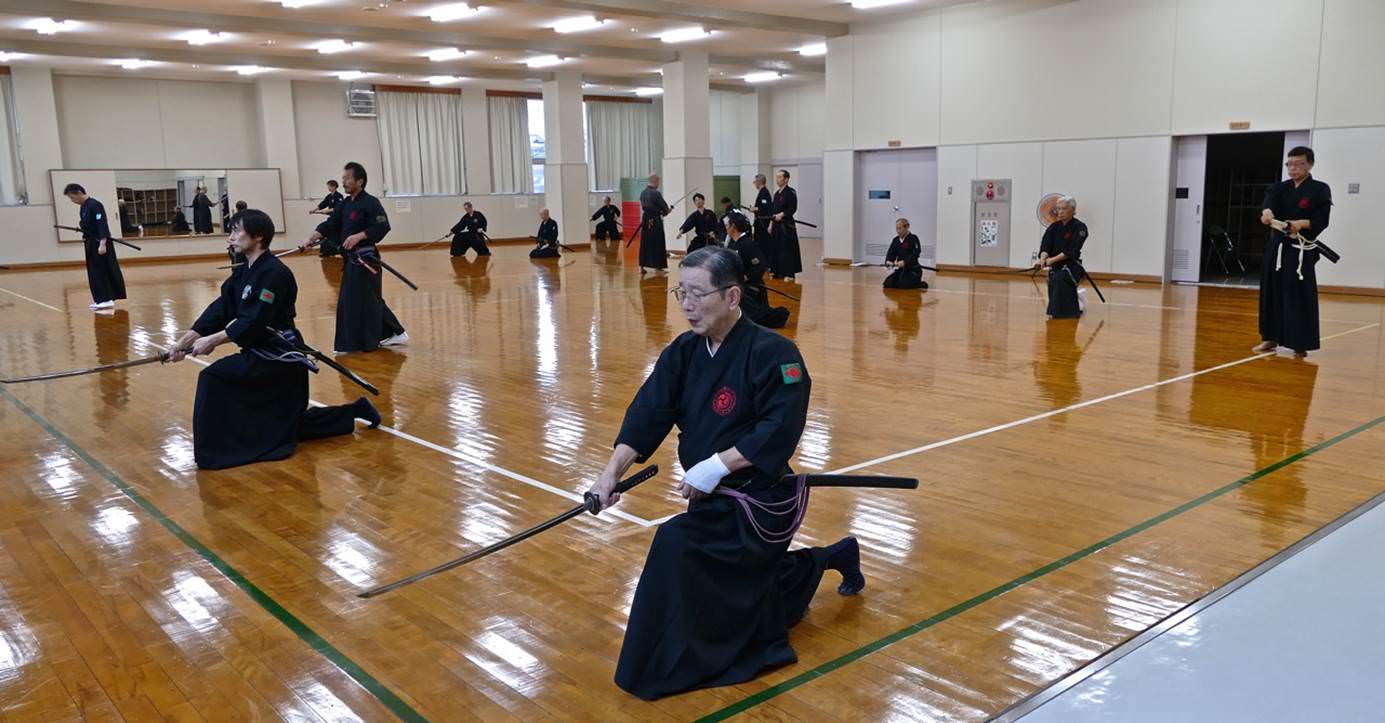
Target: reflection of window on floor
{"x": 536, "y": 142}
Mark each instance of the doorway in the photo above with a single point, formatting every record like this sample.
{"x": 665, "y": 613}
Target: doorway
{"x": 893, "y": 185}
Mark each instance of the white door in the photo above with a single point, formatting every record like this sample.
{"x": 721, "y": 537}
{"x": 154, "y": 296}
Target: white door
{"x": 1190, "y": 177}
{"x": 808, "y": 183}
{"x": 918, "y": 199}
{"x": 893, "y": 185}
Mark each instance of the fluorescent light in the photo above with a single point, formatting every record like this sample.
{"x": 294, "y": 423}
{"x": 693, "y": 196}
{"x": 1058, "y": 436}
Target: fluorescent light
{"x": 451, "y": 11}
{"x": 871, "y": 4}
{"x": 644, "y": 92}
{"x": 335, "y": 45}
{"x": 249, "y": 69}
{"x": 442, "y": 79}
{"x": 7, "y": 57}
{"x": 351, "y": 75}
{"x": 543, "y": 61}
{"x": 813, "y": 49}
{"x": 203, "y": 37}
{"x": 294, "y": 4}
{"x": 683, "y": 35}
{"x": 763, "y": 76}
{"x": 49, "y": 26}
{"x": 442, "y": 54}
{"x": 132, "y": 63}
{"x": 578, "y": 25}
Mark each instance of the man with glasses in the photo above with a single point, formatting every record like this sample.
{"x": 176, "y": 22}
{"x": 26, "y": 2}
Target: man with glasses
{"x": 1288, "y": 277}
{"x": 719, "y": 589}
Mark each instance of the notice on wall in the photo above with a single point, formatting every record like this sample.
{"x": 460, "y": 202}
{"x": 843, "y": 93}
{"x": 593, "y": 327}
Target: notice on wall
{"x": 521, "y": 201}
{"x": 403, "y": 206}
{"x": 990, "y": 233}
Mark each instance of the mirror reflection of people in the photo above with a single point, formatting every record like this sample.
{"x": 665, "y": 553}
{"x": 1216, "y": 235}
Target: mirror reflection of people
{"x": 607, "y": 229}
{"x": 1060, "y": 253}
{"x": 903, "y": 257}
{"x": 253, "y": 406}
{"x": 104, "y": 278}
{"x": 179, "y": 223}
{"x": 201, "y": 211}
{"x": 1288, "y": 277}
{"x": 547, "y": 238}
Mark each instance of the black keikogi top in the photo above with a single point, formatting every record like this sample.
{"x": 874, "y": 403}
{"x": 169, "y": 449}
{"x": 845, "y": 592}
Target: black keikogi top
{"x": 606, "y": 214}
{"x": 752, "y": 395}
{"x": 470, "y": 223}
{"x": 548, "y": 233}
{"x": 652, "y": 203}
{"x": 330, "y": 200}
{"x": 1310, "y": 200}
{"x": 94, "y": 224}
{"x": 907, "y": 250}
{"x": 363, "y": 212}
{"x": 703, "y": 223}
{"x": 764, "y": 205}
{"x": 752, "y": 259}
{"x": 1065, "y": 238}
{"x": 254, "y": 299}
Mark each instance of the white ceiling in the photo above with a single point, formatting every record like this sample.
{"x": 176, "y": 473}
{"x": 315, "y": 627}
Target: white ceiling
{"x": 393, "y": 37}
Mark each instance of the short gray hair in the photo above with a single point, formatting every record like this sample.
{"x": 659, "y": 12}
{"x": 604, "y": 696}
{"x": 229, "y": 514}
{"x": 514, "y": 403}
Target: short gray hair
{"x": 760, "y": 177}
{"x": 723, "y": 265}
{"x": 1069, "y": 201}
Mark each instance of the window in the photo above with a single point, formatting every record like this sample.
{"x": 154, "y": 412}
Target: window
{"x": 537, "y": 152}
{"x": 12, "y": 191}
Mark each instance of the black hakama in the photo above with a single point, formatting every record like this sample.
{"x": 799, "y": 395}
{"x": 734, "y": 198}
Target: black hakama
{"x": 1288, "y": 304}
{"x": 910, "y": 276}
{"x": 715, "y": 601}
{"x": 468, "y": 233}
{"x": 104, "y": 278}
{"x": 653, "y": 245}
{"x": 250, "y": 408}
{"x": 785, "y": 258}
{"x": 363, "y": 317}
{"x": 754, "y": 295}
{"x": 763, "y": 205}
{"x": 201, "y": 213}
{"x": 547, "y": 238}
{"x": 1064, "y": 277}
{"x": 606, "y": 228}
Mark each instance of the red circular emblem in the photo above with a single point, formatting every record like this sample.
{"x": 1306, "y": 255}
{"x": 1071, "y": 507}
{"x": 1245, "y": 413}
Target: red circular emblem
{"x": 353, "y": 215}
{"x": 1303, "y": 203}
{"x": 724, "y": 401}
{"x": 1067, "y": 235}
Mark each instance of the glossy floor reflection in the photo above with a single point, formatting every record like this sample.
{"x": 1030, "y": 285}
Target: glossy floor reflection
{"x": 1035, "y": 441}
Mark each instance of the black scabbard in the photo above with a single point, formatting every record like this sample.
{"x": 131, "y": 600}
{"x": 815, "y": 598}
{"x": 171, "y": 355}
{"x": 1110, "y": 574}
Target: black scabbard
{"x": 857, "y": 480}
{"x": 329, "y": 361}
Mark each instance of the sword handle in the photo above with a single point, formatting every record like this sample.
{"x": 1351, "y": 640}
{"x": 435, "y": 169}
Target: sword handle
{"x": 593, "y": 504}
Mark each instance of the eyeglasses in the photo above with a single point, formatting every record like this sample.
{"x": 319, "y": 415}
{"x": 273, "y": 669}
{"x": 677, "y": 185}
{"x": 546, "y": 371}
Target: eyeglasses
{"x": 681, "y": 293}
{"x": 1295, "y": 164}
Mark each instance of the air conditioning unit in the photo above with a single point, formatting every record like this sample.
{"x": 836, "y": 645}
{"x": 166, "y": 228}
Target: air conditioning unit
{"x": 360, "y": 102}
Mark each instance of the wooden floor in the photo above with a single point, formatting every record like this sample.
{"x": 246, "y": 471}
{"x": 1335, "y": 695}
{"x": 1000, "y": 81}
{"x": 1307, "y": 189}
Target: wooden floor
{"x": 1081, "y": 480}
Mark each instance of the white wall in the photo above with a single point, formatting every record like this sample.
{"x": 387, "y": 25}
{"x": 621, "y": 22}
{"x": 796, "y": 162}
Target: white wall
{"x": 1085, "y": 96}
{"x": 797, "y": 123}
{"x": 724, "y": 108}
{"x": 327, "y": 138}
{"x": 107, "y": 122}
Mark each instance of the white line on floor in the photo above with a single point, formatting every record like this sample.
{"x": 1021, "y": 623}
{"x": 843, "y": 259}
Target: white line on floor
{"x": 35, "y": 301}
{"x": 1071, "y": 408}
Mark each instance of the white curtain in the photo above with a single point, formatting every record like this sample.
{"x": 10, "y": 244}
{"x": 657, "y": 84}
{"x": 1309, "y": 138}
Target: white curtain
{"x": 421, "y": 143}
{"x": 627, "y": 141}
{"x": 512, "y": 169}
{"x": 11, "y": 168}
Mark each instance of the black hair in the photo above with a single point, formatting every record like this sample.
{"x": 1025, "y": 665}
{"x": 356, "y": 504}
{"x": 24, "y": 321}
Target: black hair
{"x": 723, "y": 265}
{"x": 725, "y": 199}
{"x": 786, "y": 174}
{"x": 257, "y": 224}
{"x": 1304, "y": 151}
{"x": 741, "y": 223}
{"x": 74, "y": 188}
{"x": 242, "y": 205}
{"x": 357, "y": 171}
{"x": 332, "y": 183}
{"x": 698, "y": 195}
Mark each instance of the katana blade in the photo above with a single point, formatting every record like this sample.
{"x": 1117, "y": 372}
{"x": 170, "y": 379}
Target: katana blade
{"x": 589, "y": 504}
{"x": 160, "y": 357}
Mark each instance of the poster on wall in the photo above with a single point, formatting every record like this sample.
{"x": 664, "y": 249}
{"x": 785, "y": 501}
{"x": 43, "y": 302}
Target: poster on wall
{"x": 990, "y": 232}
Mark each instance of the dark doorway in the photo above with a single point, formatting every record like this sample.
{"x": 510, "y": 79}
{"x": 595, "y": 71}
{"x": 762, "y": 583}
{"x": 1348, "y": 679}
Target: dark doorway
{"x": 1239, "y": 169}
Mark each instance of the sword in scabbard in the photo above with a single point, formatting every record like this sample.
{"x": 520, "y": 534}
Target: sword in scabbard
{"x": 120, "y": 241}
{"x": 278, "y": 255}
{"x": 590, "y": 503}
{"x": 301, "y": 346}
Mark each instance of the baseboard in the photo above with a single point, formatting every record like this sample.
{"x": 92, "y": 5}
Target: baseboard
{"x": 1006, "y": 270}
{"x": 128, "y": 258}
{"x": 1351, "y": 290}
